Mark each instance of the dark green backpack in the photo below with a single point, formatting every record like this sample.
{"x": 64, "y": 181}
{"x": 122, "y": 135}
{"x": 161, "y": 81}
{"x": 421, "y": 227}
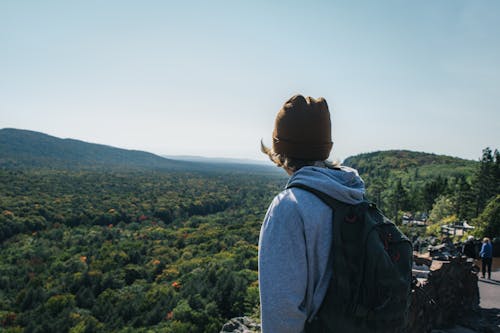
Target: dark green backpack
{"x": 371, "y": 283}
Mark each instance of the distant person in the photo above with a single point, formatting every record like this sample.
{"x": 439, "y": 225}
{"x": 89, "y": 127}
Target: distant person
{"x": 295, "y": 261}
{"x": 469, "y": 248}
{"x": 486, "y": 255}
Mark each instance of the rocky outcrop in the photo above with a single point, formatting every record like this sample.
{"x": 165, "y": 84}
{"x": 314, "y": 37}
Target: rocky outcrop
{"x": 445, "y": 296}
{"x": 241, "y": 325}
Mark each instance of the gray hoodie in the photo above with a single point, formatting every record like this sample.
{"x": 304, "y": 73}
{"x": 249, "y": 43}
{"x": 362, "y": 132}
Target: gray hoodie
{"x": 294, "y": 247}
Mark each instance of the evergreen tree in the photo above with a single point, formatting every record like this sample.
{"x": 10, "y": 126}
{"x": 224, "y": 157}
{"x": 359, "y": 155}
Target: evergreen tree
{"x": 463, "y": 199}
{"x": 398, "y": 199}
{"x": 488, "y": 223}
{"x": 486, "y": 182}
{"x": 496, "y": 171}
{"x": 432, "y": 190}
{"x": 375, "y": 191}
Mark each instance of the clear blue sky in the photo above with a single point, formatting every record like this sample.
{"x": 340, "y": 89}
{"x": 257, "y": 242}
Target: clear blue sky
{"x": 207, "y": 77}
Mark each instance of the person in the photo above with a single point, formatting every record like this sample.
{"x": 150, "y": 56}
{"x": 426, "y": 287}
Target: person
{"x": 486, "y": 254}
{"x": 295, "y": 266}
{"x": 469, "y": 248}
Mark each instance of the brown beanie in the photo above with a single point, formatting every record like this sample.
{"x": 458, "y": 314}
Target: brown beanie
{"x": 302, "y": 129}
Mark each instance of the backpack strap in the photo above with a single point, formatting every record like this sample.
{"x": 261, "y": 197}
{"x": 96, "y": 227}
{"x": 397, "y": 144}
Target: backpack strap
{"x": 328, "y": 200}
{"x": 341, "y": 212}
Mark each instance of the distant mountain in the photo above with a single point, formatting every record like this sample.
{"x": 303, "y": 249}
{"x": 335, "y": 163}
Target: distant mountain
{"x": 28, "y": 149}
{"x": 25, "y": 148}
{"x": 405, "y": 163}
{"x": 217, "y": 160}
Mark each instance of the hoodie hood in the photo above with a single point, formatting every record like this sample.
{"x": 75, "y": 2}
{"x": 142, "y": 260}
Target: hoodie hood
{"x": 343, "y": 184}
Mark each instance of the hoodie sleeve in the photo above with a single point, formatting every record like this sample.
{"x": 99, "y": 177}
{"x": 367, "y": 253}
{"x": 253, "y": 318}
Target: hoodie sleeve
{"x": 282, "y": 268}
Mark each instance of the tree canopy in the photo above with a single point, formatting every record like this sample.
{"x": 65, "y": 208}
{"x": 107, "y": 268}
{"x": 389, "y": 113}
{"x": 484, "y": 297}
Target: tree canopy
{"x": 122, "y": 250}
{"x": 94, "y": 251}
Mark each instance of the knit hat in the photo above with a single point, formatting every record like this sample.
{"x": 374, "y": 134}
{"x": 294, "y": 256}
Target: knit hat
{"x": 302, "y": 129}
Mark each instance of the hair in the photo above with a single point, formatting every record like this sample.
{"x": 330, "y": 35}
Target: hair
{"x": 294, "y": 164}
{"x": 486, "y": 240}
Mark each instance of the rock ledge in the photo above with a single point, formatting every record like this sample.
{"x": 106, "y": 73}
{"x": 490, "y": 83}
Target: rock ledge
{"x": 241, "y": 325}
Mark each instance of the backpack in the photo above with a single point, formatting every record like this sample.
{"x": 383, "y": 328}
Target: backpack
{"x": 370, "y": 290}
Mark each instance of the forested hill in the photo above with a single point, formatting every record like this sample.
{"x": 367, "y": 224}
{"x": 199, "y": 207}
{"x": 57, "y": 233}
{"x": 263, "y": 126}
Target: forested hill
{"x": 29, "y": 149}
{"x": 24, "y": 148}
{"x": 409, "y": 164}
{"x": 407, "y": 181}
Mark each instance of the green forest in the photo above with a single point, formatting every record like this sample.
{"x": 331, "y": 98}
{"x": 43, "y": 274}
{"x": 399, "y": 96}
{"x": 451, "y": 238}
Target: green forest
{"x": 435, "y": 188}
{"x": 116, "y": 250}
{"x": 102, "y": 251}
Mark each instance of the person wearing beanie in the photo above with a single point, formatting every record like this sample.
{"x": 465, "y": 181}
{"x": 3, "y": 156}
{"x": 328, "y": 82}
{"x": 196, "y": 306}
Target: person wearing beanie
{"x": 295, "y": 240}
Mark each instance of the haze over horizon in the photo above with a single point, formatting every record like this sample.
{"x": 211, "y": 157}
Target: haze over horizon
{"x": 207, "y": 79}
{"x": 193, "y": 158}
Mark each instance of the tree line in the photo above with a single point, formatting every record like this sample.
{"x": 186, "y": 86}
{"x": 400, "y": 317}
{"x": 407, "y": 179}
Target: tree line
{"x": 435, "y": 188}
